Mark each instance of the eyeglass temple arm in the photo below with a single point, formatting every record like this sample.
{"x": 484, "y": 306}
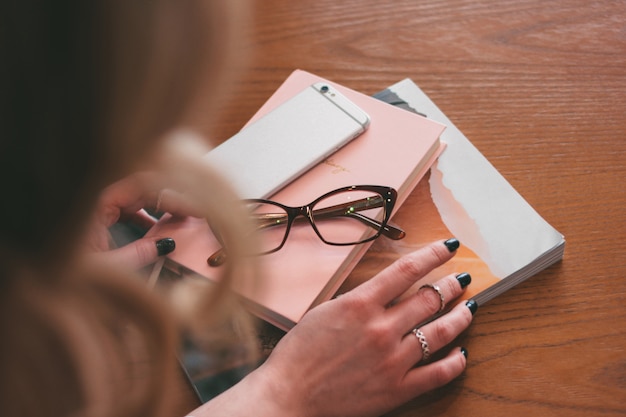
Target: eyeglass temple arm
{"x": 392, "y": 232}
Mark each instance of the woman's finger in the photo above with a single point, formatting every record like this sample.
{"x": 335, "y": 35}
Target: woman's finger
{"x": 419, "y": 344}
{"x": 406, "y": 271}
{"x": 433, "y": 375}
{"x": 138, "y": 253}
{"x": 428, "y": 301}
{"x": 170, "y": 201}
{"x": 142, "y": 219}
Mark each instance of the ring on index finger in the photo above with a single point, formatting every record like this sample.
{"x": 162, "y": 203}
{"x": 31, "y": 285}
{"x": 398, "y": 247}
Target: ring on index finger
{"x": 442, "y": 300}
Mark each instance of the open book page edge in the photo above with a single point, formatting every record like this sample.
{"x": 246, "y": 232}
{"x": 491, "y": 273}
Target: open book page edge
{"x": 511, "y": 233}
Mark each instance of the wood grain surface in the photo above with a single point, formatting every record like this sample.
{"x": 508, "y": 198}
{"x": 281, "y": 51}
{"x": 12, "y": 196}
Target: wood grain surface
{"x": 540, "y": 88}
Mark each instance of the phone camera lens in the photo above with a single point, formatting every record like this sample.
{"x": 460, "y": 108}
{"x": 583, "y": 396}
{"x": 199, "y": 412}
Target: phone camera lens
{"x": 324, "y": 89}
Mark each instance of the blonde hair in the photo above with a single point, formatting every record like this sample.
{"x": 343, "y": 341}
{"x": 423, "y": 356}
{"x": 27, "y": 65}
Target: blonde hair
{"x": 95, "y": 87}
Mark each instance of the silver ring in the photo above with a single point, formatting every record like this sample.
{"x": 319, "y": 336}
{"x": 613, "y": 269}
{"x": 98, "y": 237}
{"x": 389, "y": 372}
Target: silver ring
{"x": 423, "y": 343}
{"x": 442, "y": 300}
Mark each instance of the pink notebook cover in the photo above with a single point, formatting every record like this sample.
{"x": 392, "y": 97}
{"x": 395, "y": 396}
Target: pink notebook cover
{"x": 397, "y": 150}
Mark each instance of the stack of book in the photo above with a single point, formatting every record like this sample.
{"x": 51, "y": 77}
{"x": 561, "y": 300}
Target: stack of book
{"x": 409, "y": 142}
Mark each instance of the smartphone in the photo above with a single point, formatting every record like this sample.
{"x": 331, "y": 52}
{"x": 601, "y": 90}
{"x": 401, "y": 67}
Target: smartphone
{"x": 288, "y": 141}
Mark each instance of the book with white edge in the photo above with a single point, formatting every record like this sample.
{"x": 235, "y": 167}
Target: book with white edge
{"x": 504, "y": 239}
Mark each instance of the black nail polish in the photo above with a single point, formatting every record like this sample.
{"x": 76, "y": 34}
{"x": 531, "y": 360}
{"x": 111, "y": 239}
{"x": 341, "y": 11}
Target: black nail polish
{"x": 165, "y": 246}
{"x": 452, "y": 244}
{"x": 464, "y": 352}
{"x": 464, "y": 279}
{"x": 472, "y": 305}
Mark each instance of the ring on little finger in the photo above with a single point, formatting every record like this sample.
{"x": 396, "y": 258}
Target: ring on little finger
{"x": 442, "y": 300}
{"x": 423, "y": 343}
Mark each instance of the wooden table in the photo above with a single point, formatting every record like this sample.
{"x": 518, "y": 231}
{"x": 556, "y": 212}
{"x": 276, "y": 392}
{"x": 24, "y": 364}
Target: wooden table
{"x": 540, "y": 88}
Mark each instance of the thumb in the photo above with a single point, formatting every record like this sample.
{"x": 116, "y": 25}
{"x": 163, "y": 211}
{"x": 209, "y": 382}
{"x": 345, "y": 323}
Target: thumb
{"x": 140, "y": 252}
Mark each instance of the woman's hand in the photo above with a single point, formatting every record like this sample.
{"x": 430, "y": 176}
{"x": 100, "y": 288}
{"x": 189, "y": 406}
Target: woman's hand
{"x": 124, "y": 201}
{"x": 358, "y": 355}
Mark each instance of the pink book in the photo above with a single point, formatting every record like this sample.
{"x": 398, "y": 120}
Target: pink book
{"x": 397, "y": 150}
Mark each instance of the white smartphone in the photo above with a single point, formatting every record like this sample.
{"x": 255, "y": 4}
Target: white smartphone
{"x": 285, "y": 143}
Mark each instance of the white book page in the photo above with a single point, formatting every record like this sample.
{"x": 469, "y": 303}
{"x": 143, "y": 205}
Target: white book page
{"x": 476, "y": 203}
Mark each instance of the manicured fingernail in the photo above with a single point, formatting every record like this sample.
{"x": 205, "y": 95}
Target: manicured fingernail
{"x": 452, "y": 244}
{"x": 464, "y": 279}
{"x": 464, "y": 352}
{"x": 472, "y": 305}
{"x": 165, "y": 246}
